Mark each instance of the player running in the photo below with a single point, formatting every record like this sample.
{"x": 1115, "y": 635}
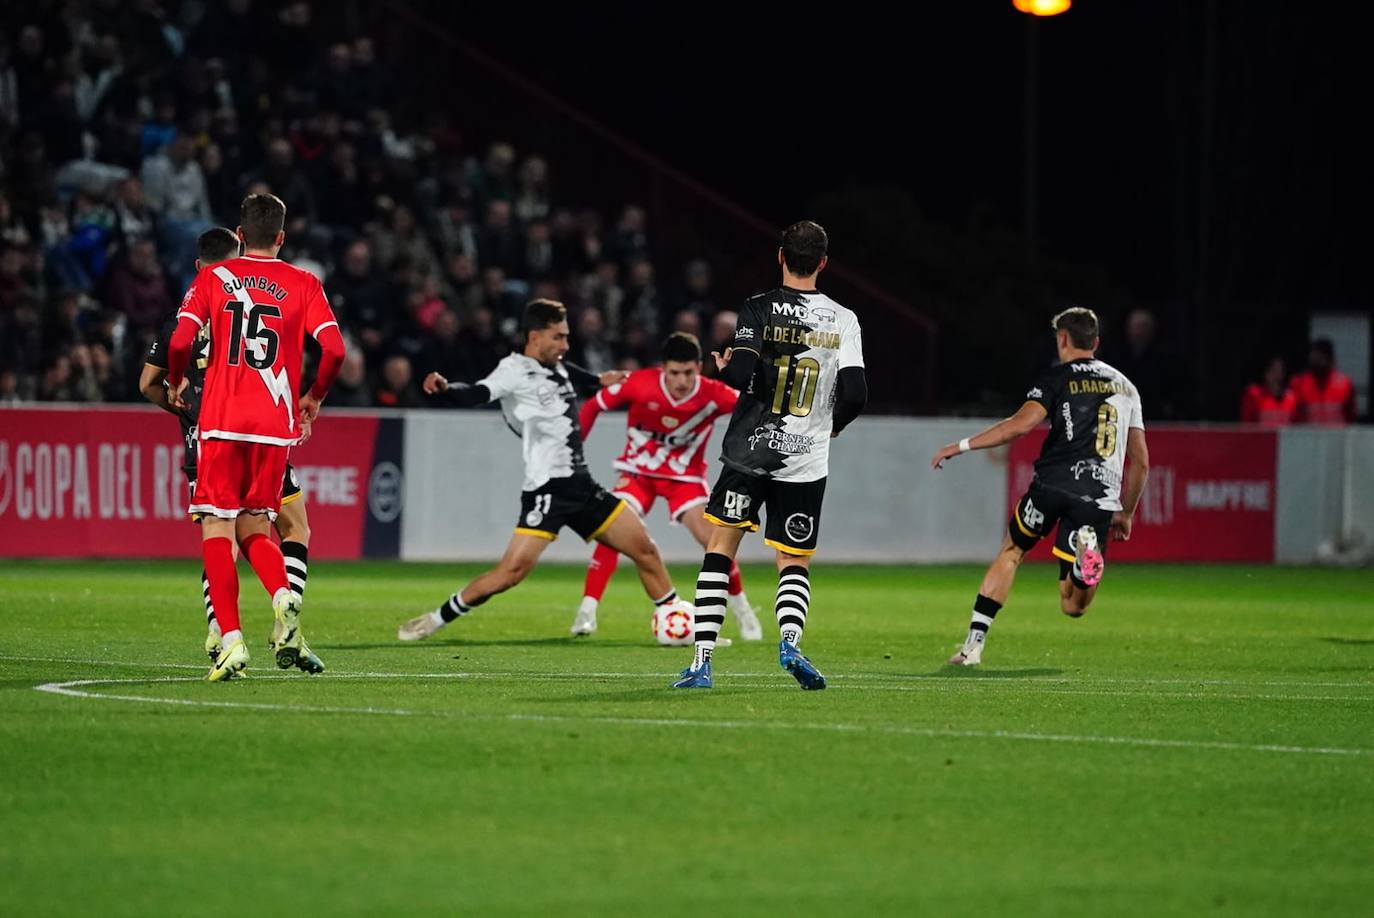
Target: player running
{"x": 1078, "y": 477}
{"x": 215, "y": 246}
{"x": 798, "y": 363}
{"x": 258, "y": 310}
{"x": 538, "y": 394}
{"x": 672, "y": 410}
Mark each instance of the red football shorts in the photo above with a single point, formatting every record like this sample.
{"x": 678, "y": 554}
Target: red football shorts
{"x": 234, "y": 477}
{"x": 640, "y": 491}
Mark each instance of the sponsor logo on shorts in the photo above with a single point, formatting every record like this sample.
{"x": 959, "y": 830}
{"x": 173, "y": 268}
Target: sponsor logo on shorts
{"x": 542, "y": 503}
{"x": 799, "y": 527}
{"x": 736, "y": 505}
{"x": 1032, "y": 517}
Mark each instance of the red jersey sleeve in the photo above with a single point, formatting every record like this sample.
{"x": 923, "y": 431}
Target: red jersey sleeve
{"x": 192, "y": 315}
{"x": 318, "y": 313}
{"x": 619, "y": 395}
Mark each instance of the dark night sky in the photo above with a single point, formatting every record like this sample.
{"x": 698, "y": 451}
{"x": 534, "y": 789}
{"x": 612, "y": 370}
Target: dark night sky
{"x": 772, "y": 105}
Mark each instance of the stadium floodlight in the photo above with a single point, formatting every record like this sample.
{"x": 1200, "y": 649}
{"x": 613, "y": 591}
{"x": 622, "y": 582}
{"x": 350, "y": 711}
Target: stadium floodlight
{"x": 1042, "y": 7}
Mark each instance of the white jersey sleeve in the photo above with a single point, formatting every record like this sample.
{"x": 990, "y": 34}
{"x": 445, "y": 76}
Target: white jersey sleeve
{"x": 506, "y": 379}
{"x": 851, "y": 343}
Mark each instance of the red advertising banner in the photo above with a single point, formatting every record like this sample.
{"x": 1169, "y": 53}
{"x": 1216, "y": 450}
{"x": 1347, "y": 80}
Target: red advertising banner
{"x": 85, "y": 482}
{"x": 1210, "y": 496}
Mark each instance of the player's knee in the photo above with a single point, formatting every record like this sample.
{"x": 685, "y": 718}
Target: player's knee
{"x": 1074, "y": 606}
{"x": 508, "y": 575}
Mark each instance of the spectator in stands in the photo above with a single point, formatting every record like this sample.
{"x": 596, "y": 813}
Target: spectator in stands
{"x": 134, "y": 218}
{"x": 1271, "y": 401}
{"x": 403, "y": 237}
{"x": 176, "y": 191}
{"x": 602, "y": 291}
{"x": 689, "y": 321}
{"x": 498, "y": 245}
{"x": 9, "y": 389}
{"x": 138, "y": 289}
{"x": 1155, "y": 372}
{"x": 593, "y": 351}
{"x": 397, "y": 386}
{"x": 697, "y": 281}
{"x": 482, "y": 345}
{"x": 642, "y": 302}
{"x": 630, "y": 242}
{"x": 351, "y": 389}
{"x": 464, "y": 286}
{"x": 1326, "y": 396}
{"x": 532, "y": 199}
{"x": 538, "y": 252}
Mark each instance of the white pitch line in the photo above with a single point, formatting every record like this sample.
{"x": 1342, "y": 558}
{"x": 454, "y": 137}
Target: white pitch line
{"x": 1041, "y": 686}
{"x": 70, "y": 689}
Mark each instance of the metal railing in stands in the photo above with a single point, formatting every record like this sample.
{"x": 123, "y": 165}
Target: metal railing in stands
{"x": 491, "y": 101}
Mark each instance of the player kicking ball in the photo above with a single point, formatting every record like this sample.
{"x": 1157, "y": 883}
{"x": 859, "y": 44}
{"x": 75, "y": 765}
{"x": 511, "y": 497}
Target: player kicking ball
{"x": 672, "y": 411}
{"x": 797, "y": 362}
{"x": 292, "y": 524}
{"x": 538, "y": 395}
{"x": 1095, "y": 426}
{"x": 258, "y": 310}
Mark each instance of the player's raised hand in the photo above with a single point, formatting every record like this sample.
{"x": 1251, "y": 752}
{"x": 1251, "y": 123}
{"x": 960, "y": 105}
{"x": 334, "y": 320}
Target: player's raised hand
{"x": 309, "y": 409}
{"x": 434, "y": 384}
{"x": 948, "y": 451}
{"x": 1121, "y": 526}
{"x": 722, "y": 360}
{"x": 612, "y": 377}
{"x": 174, "y": 395}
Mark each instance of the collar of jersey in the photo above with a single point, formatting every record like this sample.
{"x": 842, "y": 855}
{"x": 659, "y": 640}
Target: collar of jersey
{"x": 798, "y": 290}
{"x": 669, "y": 396}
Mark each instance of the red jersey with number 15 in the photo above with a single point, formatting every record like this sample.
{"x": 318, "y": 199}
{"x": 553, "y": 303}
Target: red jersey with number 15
{"x": 258, "y": 311}
{"x": 663, "y": 438}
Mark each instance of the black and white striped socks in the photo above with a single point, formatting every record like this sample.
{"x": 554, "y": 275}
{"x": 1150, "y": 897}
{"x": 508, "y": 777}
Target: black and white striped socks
{"x": 456, "y": 607}
{"x": 209, "y": 606}
{"x": 712, "y": 586}
{"x": 794, "y": 598}
{"x": 295, "y": 554}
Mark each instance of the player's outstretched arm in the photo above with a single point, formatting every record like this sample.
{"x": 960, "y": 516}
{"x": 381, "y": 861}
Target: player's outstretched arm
{"x": 1137, "y": 471}
{"x": 461, "y": 394}
{"x": 1018, "y": 425}
{"x": 586, "y": 382}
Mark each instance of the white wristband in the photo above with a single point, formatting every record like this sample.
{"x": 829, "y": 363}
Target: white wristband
{"x": 964, "y": 445}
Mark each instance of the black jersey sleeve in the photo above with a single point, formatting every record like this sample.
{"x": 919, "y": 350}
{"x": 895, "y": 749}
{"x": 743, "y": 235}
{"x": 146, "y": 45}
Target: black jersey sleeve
{"x": 753, "y": 318}
{"x": 1045, "y": 391}
{"x": 157, "y": 351}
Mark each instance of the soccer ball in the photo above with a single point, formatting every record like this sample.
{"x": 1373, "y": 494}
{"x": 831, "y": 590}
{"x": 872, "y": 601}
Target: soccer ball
{"x": 673, "y": 625}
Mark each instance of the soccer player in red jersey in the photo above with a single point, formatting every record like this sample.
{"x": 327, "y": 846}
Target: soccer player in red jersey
{"x": 671, "y": 412}
{"x": 258, "y": 309}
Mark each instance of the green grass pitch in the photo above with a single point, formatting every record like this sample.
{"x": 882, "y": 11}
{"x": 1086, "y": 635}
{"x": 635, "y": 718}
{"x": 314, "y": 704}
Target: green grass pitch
{"x": 1202, "y": 742}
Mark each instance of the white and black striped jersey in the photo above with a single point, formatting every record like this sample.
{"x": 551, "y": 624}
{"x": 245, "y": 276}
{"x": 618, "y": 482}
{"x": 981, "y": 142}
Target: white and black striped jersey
{"x": 1091, "y": 406}
{"x": 782, "y": 423}
{"x": 540, "y": 405}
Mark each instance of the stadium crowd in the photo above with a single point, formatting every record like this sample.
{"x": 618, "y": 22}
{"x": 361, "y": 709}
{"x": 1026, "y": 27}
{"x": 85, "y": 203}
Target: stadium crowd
{"x": 127, "y": 129}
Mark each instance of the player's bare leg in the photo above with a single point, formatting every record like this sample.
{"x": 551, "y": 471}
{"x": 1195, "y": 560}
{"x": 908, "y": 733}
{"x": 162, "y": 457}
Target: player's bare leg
{"x": 293, "y": 526}
{"x": 217, "y": 546}
{"x": 701, "y": 529}
{"x": 992, "y": 594}
{"x": 521, "y": 556}
{"x": 628, "y": 536}
{"x": 1078, "y": 583}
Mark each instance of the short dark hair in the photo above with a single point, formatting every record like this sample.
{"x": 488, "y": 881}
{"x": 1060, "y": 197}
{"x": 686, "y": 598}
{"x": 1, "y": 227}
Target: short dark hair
{"x": 1325, "y": 347}
{"x": 1080, "y": 323}
{"x": 682, "y": 347}
{"x": 216, "y": 245}
{"x": 804, "y": 244}
{"x": 541, "y": 314}
{"x": 261, "y": 218}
